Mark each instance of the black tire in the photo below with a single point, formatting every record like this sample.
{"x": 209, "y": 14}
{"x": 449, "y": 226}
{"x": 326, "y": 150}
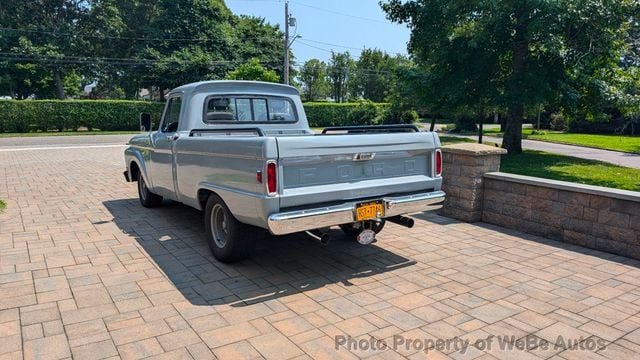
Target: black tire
{"x": 147, "y": 198}
{"x": 229, "y": 239}
{"x": 352, "y": 232}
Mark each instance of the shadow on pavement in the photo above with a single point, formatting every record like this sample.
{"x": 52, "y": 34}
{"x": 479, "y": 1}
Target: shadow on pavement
{"x": 173, "y": 236}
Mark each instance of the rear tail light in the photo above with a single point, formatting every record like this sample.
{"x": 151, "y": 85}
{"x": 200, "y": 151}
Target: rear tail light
{"x": 272, "y": 178}
{"x": 438, "y": 162}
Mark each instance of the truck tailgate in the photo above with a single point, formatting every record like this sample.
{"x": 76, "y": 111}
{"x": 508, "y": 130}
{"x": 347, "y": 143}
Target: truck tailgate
{"x": 333, "y": 168}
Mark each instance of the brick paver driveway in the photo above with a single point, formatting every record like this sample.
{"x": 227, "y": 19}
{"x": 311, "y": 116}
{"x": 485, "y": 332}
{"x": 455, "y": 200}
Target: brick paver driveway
{"x": 85, "y": 271}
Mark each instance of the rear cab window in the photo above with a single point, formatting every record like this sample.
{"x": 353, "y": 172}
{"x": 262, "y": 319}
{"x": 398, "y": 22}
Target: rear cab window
{"x": 249, "y": 109}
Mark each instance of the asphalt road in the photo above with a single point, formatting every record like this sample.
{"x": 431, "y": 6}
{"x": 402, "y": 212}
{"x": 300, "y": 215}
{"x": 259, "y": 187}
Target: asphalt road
{"x": 27, "y": 143}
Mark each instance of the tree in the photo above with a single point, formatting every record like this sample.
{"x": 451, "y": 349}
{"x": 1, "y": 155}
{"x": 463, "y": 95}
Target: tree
{"x": 255, "y": 38}
{"x": 339, "y": 71}
{"x": 514, "y": 53}
{"x": 313, "y": 76}
{"x": 374, "y": 74}
{"x": 33, "y": 37}
{"x": 127, "y": 44}
{"x": 253, "y": 70}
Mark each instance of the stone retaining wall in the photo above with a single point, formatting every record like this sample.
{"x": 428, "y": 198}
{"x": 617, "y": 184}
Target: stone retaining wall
{"x": 591, "y": 216}
{"x": 464, "y": 166}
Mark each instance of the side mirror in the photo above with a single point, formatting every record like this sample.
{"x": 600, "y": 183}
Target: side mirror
{"x": 145, "y": 122}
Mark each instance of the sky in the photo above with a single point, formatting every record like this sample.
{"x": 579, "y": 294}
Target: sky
{"x": 325, "y": 25}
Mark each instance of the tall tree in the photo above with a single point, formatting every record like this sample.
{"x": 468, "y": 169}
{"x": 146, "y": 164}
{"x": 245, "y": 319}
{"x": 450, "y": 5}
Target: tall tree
{"x": 253, "y": 70}
{"x": 255, "y": 38}
{"x": 339, "y": 70}
{"x": 374, "y": 74}
{"x": 514, "y": 53}
{"x": 38, "y": 32}
{"x": 313, "y": 76}
{"x": 125, "y": 45}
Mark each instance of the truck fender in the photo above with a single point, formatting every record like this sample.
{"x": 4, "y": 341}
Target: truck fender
{"x": 135, "y": 157}
{"x": 236, "y": 201}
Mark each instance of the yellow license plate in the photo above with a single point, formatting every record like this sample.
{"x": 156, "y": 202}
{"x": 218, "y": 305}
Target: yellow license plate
{"x": 368, "y": 211}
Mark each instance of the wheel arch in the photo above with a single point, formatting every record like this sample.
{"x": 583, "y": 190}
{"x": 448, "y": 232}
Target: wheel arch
{"x": 242, "y": 206}
{"x": 136, "y": 168}
{"x": 203, "y": 195}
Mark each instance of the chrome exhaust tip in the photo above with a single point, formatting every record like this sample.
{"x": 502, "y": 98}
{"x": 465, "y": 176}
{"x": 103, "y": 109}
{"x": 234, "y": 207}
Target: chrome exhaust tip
{"x": 322, "y": 238}
{"x": 401, "y": 220}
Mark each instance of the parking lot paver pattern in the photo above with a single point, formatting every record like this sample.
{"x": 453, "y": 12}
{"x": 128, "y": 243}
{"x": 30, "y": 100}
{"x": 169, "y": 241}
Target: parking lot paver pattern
{"x": 87, "y": 272}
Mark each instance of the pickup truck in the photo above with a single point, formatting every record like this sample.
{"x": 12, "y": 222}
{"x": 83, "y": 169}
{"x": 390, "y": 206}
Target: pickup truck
{"x": 243, "y": 152}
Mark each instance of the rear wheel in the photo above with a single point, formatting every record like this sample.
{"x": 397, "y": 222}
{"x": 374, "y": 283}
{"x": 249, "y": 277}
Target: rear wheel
{"x": 229, "y": 239}
{"x": 354, "y": 229}
{"x": 147, "y": 198}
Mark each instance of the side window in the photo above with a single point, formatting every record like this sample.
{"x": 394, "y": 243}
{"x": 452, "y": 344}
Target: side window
{"x": 172, "y": 115}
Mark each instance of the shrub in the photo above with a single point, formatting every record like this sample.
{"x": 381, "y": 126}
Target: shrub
{"x": 45, "y": 115}
{"x": 395, "y": 116}
{"x": 464, "y": 122}
{"x": 364, "y": 113}
{"x": 112, "y": 115}
{"x": 323, "y": 114}
{"x": 557, "y": 122}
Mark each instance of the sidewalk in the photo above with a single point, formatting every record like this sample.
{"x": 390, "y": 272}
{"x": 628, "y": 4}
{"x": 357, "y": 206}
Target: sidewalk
{"x": 12, "y": 143}
{"x": 613, "y": 157}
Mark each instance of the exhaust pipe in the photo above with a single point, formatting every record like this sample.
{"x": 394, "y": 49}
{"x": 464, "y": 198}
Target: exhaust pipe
{"x": 401, "y": 220}
{"x": 323, "y": 238}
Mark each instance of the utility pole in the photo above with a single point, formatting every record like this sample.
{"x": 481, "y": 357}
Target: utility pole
{"x": 286, "y": 42}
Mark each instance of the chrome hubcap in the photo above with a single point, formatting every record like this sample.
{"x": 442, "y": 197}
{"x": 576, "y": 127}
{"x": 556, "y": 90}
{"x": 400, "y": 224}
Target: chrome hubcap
{"x": 219, "y": 225}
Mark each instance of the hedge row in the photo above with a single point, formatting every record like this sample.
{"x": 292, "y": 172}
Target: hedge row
{"x": 44, "y": 115}
{"x": 111, "y": 115}
{"x": 322, "y": 114}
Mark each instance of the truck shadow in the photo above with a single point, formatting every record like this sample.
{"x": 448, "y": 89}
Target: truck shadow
{"x": 173, "y": 236}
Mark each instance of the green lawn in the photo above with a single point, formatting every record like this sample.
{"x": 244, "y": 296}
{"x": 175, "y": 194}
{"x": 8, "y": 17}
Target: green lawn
{"x": 3, "y": 205}
{"x": 566, "y": 168}
{"x": 66, "y": 133}
{"x": 448, "y": 140}
{"x": 611, "y": 142}
{"x": 624, "y": 143}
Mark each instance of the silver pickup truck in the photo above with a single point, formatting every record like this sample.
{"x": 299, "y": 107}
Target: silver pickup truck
{"x": 243, "y": 152}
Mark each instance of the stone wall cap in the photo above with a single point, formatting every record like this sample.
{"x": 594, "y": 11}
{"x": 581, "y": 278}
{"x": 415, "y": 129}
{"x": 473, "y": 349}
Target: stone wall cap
{"x": 473, "y": 149}
{"x": 567, "y": 186}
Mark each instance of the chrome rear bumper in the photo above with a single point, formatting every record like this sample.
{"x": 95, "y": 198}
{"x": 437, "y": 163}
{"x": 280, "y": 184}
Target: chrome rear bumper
{"x": 315, "y": 218}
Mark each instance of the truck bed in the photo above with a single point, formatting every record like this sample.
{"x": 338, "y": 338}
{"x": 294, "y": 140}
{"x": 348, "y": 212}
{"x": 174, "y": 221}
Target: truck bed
{"x": 325, "y": 168}
{"x": 313, "y": 170}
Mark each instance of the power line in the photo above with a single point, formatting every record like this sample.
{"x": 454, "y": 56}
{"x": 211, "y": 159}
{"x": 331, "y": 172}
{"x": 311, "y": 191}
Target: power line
{"x": 17, "y": 57}
{"x": 138, "y": 38}
{"x": 300, "y": 41}
{"x": 306, "y": 41}
{"x": 111, "y": 37}
{"x": 325, "y": 10}
{"x": 340, "y": 13}
{"x": 336, "y": 45}
{"x": 345, "y": 47}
